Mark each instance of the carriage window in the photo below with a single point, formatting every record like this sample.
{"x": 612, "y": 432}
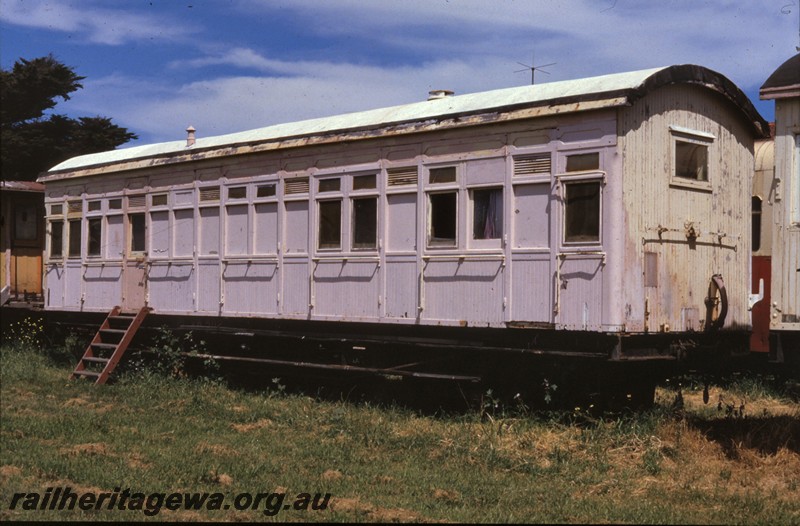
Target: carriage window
{"x": 159, "y": 200}
{"x": 364, "y": 182}
{"x": 137, "y": 230}
{"x": 583, "y": 162}
{"x": 443, "y": 175}
{"x": 691, "y": 160}
{"x": 756, "y": 211}
{"x": 74, "y": 238}
{"x": 56, "y": 239}
{"x": 329, "y": 185}
{"x": 95, "y": 235}
{"x": 265, "y": 190}
{"x": 365, "y": 222}
{"x": 582, "y": 212}
{"x": 330, "y": 224}
{"x": 238, "y": 192}
{"x": 442, "y": 217}
{"x": 487, "y": 213}
{"x": 26, "y": 224}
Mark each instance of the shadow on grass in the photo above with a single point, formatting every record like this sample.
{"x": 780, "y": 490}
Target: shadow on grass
{"x": 763, "y": 434}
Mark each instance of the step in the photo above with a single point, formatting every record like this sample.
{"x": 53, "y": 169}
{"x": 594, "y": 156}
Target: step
{"x": 104, "y": 345}
{"x": 95, "y": 359}
{"x": 114, "y": 331}
{"x": 87, "y": 373}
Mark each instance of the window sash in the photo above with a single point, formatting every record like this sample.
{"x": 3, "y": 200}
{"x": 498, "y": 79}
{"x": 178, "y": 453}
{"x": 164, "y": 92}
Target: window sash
{"x": 582, "y": 209}
{"x": 365, "y": 223}
{"x": 487, "y": 213}
{"x": 95, "y": 233}
{"x": 330, "y": 224}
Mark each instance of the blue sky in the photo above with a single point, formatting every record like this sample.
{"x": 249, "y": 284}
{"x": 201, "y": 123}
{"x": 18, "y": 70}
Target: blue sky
{"x": 157, "y": 66}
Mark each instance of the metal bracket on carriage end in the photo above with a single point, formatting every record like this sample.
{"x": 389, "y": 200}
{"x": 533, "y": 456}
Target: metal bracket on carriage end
{"x": 755, "y": 298}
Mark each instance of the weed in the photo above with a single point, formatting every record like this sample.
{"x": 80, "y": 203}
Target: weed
{"x": 26, "y": 334}
{"x": 651, "y": 460}
{"x": 169, "y": 355}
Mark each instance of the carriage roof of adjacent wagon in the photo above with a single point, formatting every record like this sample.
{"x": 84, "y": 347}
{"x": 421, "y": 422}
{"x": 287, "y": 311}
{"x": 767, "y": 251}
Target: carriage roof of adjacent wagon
{"x": 784, "y": 81}
{"x": 606, "y": 91}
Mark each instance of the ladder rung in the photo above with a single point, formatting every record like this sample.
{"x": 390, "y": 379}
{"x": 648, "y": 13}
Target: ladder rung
{"x": 95, "y": 359}
{"x": 125, "y": 334}
{"x": 86, "y": 373}
{"x": 114, "y": 331}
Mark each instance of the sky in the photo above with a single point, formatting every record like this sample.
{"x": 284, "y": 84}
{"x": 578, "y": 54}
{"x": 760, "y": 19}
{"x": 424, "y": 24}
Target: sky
{"x": 222, "y": 66}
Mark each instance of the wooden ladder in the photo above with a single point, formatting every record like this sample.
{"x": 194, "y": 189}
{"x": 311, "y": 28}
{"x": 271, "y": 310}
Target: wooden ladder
{"x": 109, "y": 344}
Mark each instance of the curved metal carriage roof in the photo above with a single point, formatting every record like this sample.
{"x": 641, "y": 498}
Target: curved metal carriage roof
{"x": 615, "y": 89}
{"x": 784, "y": 81}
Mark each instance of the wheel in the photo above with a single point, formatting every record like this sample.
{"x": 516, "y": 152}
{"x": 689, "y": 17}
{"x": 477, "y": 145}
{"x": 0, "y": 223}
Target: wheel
{"x": 716, "y": 303}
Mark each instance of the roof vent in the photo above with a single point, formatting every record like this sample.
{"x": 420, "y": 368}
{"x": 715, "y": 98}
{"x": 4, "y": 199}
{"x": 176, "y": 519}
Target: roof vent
{"x": 190, "y": 139}
{"x": 440, "y": 94}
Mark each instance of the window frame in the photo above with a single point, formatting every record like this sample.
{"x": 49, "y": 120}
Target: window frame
{"x": 74, "y": 248}
{"x": 679, "y": 134}
{"x": 319, "y": 202}
{"x": 113, "y": 209}
{"x": 353, "y": 194}
{"x": 756, "y": 217}
{"x": 62, "y": 223}
{"x": 90, "y": 250}
{"x": 354, "y": 223}
{"x": 492, "y": 242}
{"x": 565, "y": 183}
{"x": 132, "y": 252}
{"x": 430, "y": 241}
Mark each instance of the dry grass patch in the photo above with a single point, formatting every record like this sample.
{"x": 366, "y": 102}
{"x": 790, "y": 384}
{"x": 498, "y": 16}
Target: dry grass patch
{"x": 10, "y": 471}
{"x": 363, "y": 510}
{"x": 252, "y": 426}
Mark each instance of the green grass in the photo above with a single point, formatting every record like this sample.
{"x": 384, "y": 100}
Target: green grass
{"x": 155, "y": 434}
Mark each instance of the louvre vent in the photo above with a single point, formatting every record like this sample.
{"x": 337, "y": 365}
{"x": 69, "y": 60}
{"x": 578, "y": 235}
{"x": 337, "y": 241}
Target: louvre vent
{"x": 298, "y": 185}
{"x": 538, "y": 163}
{"x": 209, "y": 194}
{"x": 402, "y": 176}
{"x": 56, "y": 210}
{"x": 136, "y": 201}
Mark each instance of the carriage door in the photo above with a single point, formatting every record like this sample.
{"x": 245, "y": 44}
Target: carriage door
{"x": 580, "y": 259}
{"x": 135, "y": 274}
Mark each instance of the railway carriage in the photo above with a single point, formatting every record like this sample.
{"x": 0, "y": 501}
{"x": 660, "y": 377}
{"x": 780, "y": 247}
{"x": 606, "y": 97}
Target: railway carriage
{"x": 605, "y": 217}
{"x": 780, "y": 190}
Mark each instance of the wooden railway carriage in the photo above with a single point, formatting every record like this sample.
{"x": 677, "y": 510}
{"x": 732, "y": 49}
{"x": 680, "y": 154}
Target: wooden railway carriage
{"x": 605, "y": 217}
{"x": 21, "y": 240}
{"x": 783, "y": 86}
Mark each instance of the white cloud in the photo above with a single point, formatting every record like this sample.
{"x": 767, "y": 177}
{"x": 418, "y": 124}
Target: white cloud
{"x": 468, "y": 46}
{"x": 231, "y": 104}
{"x": 742, "y": 40}
{"x": 95, "y": 24}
